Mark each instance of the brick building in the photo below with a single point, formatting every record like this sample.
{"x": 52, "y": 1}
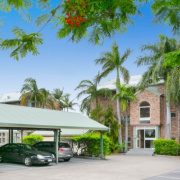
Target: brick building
{"x": 146, "y": 115}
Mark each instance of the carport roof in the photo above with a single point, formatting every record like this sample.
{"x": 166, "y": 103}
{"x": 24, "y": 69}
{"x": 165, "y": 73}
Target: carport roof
{"x": 12, "y": 116}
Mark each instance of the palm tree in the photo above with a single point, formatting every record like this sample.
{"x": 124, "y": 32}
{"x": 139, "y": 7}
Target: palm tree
{"x": 156, "y": 71}
{"x": 113, "y": 61}
{"x": 41, "y": 97}
{"x": 90, "y": 90}
{"x": 67, "y": 103}
{"x": 58, "y": 95}
{"x": 46, "y": 98}
{"x": 126, "y": 94}
{"x": 31, "y": 92}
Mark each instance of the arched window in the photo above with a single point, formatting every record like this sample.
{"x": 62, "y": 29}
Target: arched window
{"x": 144, "y": 112}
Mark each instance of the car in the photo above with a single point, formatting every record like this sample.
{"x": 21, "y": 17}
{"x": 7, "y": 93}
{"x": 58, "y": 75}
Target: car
{"x": 24, "y": 153}
{"x": 64, "y": 150}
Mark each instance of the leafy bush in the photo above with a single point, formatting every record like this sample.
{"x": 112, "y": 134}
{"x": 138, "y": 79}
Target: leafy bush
{"x": 89, "y": 144}
{"x": 166, "y": 147}
{"x": 32, "y": 139}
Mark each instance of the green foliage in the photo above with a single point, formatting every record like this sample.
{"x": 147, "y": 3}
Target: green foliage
{"x": 166, "y": 147}
{"x": 172, "y": 59}
{"x": 167, "y": 11}
{"x": 32, "y": 139}
{"x": 103, "y": 19}
{"x": 107, "y": 117}
{"x": 126, "y": 94}
{"x": 23, "y": 43}
{"x": 42, "y": 19}
{"x": 91, "y": 144}
{"x": 89, "y": 89}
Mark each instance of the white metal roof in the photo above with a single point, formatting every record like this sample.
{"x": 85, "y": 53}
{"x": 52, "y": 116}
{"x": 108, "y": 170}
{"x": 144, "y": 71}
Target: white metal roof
{"x": 28, "y": 117}
{"x": 10, "y": 97}
{"x": 133, "y": 81}
{"x": 110, "y": 84}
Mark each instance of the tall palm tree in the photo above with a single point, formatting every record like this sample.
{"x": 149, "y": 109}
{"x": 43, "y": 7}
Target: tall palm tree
{"x": 58, "y": 95}
{"x": 31, "y": 92}
{"x": 156, "y": 71}
{"x": 126, "y": 94}
{"x": 67, "y": 103}
{"x": 46, "y": 98}
{"x": 112, "y": 61}
{"x": 90, "y": 90}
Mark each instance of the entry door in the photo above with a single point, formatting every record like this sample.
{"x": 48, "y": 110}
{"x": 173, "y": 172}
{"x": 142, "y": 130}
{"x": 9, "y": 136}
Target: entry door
{"x": 138, "y": 139}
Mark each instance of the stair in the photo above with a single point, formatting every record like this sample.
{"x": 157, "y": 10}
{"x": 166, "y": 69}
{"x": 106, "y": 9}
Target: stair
{"x": 140, "y": 152}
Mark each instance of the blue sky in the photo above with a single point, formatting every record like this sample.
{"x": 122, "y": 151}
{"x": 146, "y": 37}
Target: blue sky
{"x": 63, "y": 64}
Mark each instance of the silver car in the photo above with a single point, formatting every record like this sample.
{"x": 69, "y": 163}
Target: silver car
{"x": 64, "y": 150}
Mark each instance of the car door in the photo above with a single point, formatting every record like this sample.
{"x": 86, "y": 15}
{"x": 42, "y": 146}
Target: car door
{"x": 5, "y": 151}
{"x": 14, "y": 153}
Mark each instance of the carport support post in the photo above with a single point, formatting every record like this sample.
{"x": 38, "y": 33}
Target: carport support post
{"x": 11, "y": 135}
{"x": 102, "y": 153}
{"x": 56, "y": 140}
{"x": 59, "y": 135}
{"x": 21, "y": 136}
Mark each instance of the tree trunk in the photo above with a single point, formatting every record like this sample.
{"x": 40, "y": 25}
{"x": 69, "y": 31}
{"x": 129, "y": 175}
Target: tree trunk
{"x": 126, "y": 133}
{"x": 168, "y": 119}
{"x": 119, "y": 113}
{"x": 179, "y": 120}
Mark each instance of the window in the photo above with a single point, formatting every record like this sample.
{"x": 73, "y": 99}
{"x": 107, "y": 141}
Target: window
{"x": 2, "y": 138}
{"x": 129, "y": 142}
{"x": 173, "y": 114}
{"x": 128, "y": 119}
{"x": 144, "y": 111}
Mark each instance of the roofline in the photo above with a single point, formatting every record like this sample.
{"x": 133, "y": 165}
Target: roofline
{"x": 7, "y": 125}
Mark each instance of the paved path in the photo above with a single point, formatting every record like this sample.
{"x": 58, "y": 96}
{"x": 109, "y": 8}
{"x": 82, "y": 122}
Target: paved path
{"x": 113, "y": 168}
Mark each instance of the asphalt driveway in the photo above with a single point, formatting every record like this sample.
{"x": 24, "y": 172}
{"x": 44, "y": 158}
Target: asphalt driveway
{"x": 114, "y": 167}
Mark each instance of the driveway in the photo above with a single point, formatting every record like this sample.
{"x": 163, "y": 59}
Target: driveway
{"x": 114, "y": 167}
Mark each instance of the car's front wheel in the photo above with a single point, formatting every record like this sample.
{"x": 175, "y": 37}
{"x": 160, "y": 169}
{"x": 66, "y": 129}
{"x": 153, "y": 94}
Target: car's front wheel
{"x": 1, "y": 159}
{"x": 27, "y": 161}
{"x": 66, "y": 159}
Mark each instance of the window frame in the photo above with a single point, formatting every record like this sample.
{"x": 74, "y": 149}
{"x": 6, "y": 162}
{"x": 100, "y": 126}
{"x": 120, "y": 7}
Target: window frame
{"x": 145, "y": 118}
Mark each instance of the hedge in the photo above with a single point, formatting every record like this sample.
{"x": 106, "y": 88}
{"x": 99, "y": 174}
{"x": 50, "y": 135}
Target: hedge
{"x": 166, "y": 147}
{"x": 90, "y": 144}
{"x": 32, "y": 139}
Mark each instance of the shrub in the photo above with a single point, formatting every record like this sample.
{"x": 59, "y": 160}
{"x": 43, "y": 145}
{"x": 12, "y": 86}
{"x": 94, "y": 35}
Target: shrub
{"x": 90, "y": 144}
{"x": 166, "y": 147}
{"x": 32, "y": 139}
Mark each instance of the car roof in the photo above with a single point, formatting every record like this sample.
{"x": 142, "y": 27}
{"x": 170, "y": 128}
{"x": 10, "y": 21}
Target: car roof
{"x": 51, "y": 142}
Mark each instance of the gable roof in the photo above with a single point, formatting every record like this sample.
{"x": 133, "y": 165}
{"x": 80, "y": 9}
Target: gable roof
{"x": 28, "y": 117}
{"x": 152, "y": 89}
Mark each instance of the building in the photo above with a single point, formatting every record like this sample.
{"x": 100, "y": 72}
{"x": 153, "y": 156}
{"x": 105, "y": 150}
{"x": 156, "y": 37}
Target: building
{"x": 147, "y": 115}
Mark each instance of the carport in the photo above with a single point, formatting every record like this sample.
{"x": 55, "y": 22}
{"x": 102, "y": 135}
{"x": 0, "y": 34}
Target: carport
{"x": 14, "y": 117}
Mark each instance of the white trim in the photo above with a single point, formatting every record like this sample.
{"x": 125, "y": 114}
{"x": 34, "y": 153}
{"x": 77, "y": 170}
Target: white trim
{"x": 144, "y": 118}
{"x": 144, "y": 128}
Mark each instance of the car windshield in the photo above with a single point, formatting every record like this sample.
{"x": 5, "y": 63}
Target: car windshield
{"x": 29, "y": 147}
